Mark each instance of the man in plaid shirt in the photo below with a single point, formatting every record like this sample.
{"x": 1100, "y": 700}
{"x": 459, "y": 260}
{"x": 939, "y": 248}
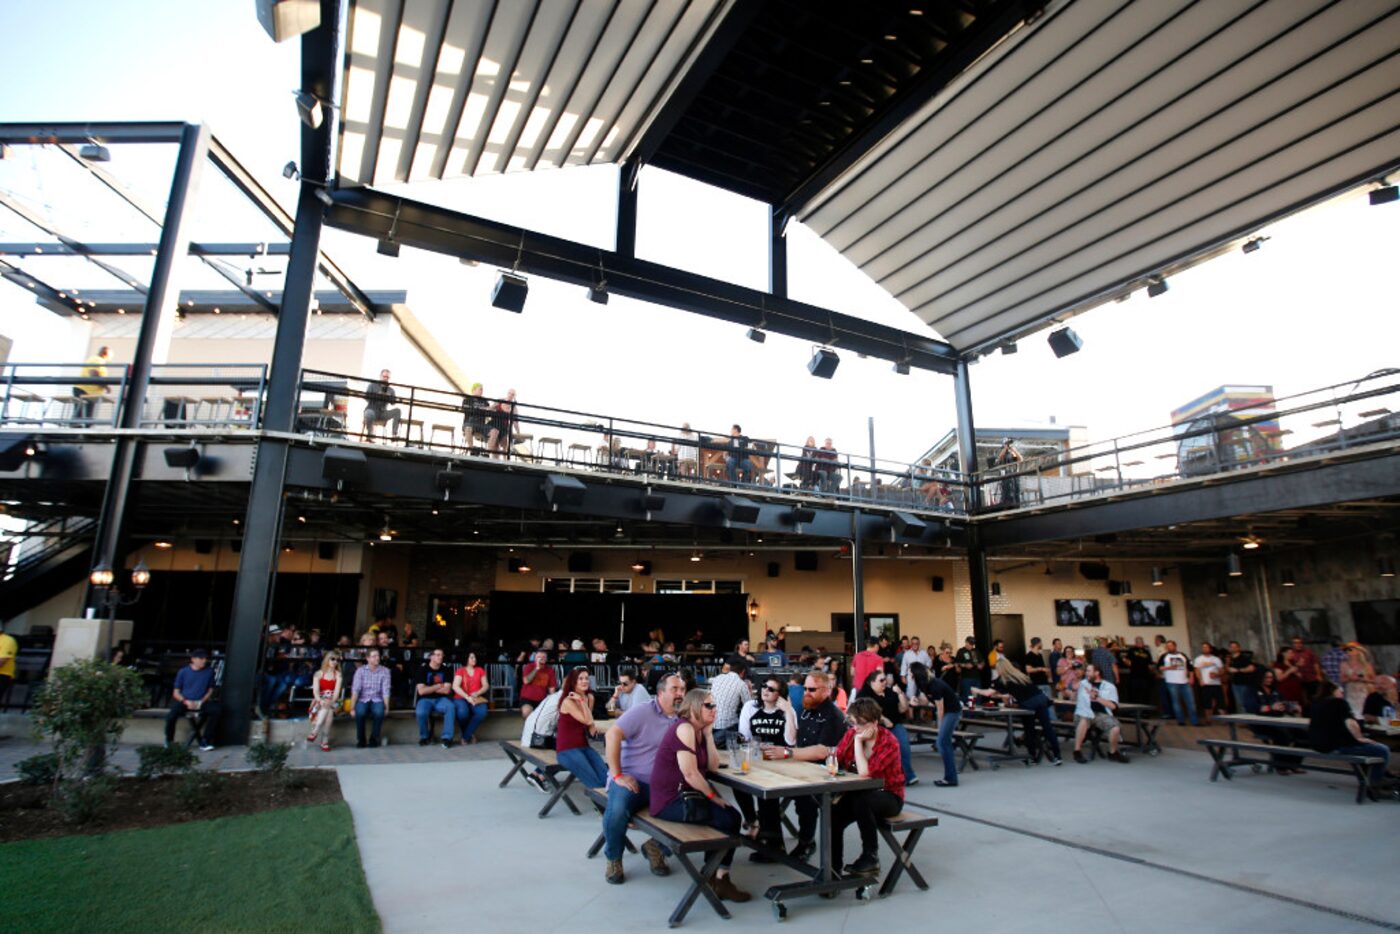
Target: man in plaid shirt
{"x": 369, "y": 696}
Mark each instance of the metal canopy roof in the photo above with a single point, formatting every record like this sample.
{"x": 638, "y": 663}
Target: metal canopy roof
{"x": 992, "y": 163}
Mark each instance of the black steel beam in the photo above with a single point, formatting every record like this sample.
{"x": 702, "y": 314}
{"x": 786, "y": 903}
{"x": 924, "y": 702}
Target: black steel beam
{"x": 76, "y": 247}
{"x": 977, "y": 583}
{"x": 967, "y": 433}
{"x": 56, "y": 248}
{"x": 372, "y": 214}
{"x": 58, "y": 134}
{"x": 1308, "y": 485}
{"x": 777, "y": 253}
{"x": 96, "y": 301}
{"x": 858, "y": 633}
{"x": 56, "y": 300}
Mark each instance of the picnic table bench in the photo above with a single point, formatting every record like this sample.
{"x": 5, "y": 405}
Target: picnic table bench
{"x": 546, "y": 761}
{"x": 964, "y": 742}
{"x": 1259, "y": 756}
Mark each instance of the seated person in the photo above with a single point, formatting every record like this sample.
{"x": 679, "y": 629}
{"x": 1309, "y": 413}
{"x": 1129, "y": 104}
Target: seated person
{"x": 769, "y": 720}
{"x": 475, "y": 417}
{"x": 1333, "y": 728}
{"x": 194, "y": 686}
{"x": 828, "y": 472}
{"x": 541, "y": 727}
{"x": 870, "y": 751}
{"x": 575, "y": 727}
{"x": 737, "y": 465}
{"x": 379, "y": 407}
{"x": 1373, "y": 709}
{"x": 628, "y": 693}
{"x": 470, "y": 690}
{"x": 537, "y": 680}
{"x": 1094, "y": 704}
{"x": 329, "y": 686}
{"x": 501, "y": 425}
{"x": 576, "y": 655}
{"x": 434, "y": 696}
{"x": 807, "y": 467}
{"x": 369, "y": 698}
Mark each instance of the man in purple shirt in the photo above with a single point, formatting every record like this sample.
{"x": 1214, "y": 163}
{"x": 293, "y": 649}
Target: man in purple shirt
{"x": 369, "y": 696}
{"x": 631, "y": 751}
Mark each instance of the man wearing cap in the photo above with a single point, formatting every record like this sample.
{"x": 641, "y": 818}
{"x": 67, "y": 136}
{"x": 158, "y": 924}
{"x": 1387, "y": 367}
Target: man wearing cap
{"x": 194, "y": 686}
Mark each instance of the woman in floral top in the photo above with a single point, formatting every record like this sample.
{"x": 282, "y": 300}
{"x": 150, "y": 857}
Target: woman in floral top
{"x": 868, "y": 750}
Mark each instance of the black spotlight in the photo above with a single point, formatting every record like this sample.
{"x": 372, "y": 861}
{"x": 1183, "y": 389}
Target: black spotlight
{"x": 907, "y": 526}
{"x": 902, "y": 367}
{"x": 823, "y": 363}
{"x": 510, "y": 292}
{"x": 598, "y": 294}
{"x": 388, "y": 247}
{"x": 1065, "y": 342}
{"x": 345, "y": 465}
{"x": 801, "y": 515}
{"x": 1253, "y": 244}
{"x": 562, "y": 490}
{"x": 449, "y": 481}
{"x": 1008, "y": 348}
{"x": 755, "y": 335}
{"x": 187, "y": 457}
{"x": 739, "y": 509}
{"x": 1156, "y": 286}
{"x": 1385, "y": 194}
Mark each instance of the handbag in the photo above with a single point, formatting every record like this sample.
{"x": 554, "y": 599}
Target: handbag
{"x": 695, "y": 807}
{"x": 541, "y": 741}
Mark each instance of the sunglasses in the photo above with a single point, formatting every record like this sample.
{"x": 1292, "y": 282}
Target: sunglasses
{"x": 709, "y": 705}
{"x": 769, "y": 687}
{"x": 811, "y": 687}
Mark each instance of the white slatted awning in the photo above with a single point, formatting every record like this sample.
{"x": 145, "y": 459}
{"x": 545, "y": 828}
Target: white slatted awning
{"x": 443, "y": 88}
{"x": 1112, "y": 140}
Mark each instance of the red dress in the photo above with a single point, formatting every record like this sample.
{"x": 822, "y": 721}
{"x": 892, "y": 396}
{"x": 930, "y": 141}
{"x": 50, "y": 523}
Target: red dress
{"x": 1290, "y": 686}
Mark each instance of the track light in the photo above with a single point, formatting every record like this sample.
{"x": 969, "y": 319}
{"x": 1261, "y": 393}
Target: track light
{"x": 823, "y": 363}
{"x": 1251, "y": 245}
{"x": 1157, "y": 580}
{"x": 1233, "y": 566}
{"x": 510, "y": 292}
{"x": 1386, "y": 567}
{"x": 323, "y": 195}
{"x": 96, "y": 152}
{"x": 388, "y": 247}
{"x": 290, "y": 170}
{"x": 902, "y": 367}
{"x": 1064, "y": 342}
{"x": 1008, "y": 348}
{"x": 1384, "y": 194}
{"x": 755, "y": 335}
{"x": 1156, "y": 286}
{"x": 1285, "y": 578}
{"x": 598, "y": 294}
{"x": 1222, "y": 587}
{"x": 309, "y": 109}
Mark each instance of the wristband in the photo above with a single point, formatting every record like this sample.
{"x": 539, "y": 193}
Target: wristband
{"x": 711, "y": 795}
{"x": 789, "y": 754}
{"x": 613, "y": 778}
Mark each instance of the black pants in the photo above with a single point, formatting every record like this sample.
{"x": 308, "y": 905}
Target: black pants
{"x": 202, "y": 720}
{"x": 863, "y": 808}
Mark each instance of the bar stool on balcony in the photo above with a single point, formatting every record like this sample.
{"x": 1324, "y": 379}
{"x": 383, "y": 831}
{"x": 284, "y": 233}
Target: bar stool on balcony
{"x": 408, "y": 426}
{"x": 520, "y": 445}
{"x": 449, "y": 430}
{"x": 553, "y": 443}
{"x": 579, "y": 455}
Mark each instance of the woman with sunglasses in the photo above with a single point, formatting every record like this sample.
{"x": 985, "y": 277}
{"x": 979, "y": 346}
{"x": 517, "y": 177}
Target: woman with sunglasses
{"x": 770, "y": 720}
{"x": 884, "y": 690}
{"x": 329, "y": 686}
{"x": 685, "y": 756}
{"x": 870, "y": 751}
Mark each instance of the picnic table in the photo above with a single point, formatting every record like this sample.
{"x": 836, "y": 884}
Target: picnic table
{"x": 790, "y": 778}
{"x": 1140, "y": 716}
{"x": 1001, "y": 718}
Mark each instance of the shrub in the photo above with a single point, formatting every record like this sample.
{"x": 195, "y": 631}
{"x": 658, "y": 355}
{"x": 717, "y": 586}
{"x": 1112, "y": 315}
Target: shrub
{"x": 38, "y": 770}
{"x": 80, "y": 800}
{"x": 81, "y": 709}
{"x": 269, "y": 757}
{"x": 198, "y": 789}
{"x": 158, "y": 760}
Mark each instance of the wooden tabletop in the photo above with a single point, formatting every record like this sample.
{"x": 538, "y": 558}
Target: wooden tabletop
{"x": 996, "y": 712}
{"x": 1294, "y": 723}
{"x": 784, "y": 778}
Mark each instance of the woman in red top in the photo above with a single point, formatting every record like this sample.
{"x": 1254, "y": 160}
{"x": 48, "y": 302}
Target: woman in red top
{"x": 575, "y": 726}
{"x": 328, "y": 690}
{"x": 470, "y": 690}
{"x": 869, "y": 750}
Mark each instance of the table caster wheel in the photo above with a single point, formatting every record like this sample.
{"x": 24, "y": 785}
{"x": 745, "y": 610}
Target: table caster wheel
{"x": 1256, "y": 769}
{"x": 865, "y": 893}
{"x": 1154, "y": 752}
{"x": 779, "y": 911}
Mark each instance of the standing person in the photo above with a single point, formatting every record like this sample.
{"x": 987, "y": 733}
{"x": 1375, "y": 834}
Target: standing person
{"x": 1358, "y": 676}
{"x": 945, "y": 668}
{"x": 538, "y": 680}
{"x": 820, "y": 726}
{"x": 1290, "y": 683}
{"x": 914, "y": 655}
{"x": 1057, "y": 651}
{"x": 87, "y": 393}
{"x": 731, "y": 693}
{"x": 1331, "y": 661}
{"x": 947, "y": 713}
{"x": 807, "y": 465}
{"x": 1033, "y": 663}
{"x": 1333, "y": 728}
{"x": 379, "y": 407}
{"x": 630, "y": 749}
{"x": 194, "y": 686}
{"x": 1177, "y": 675}
{"x": 470, "y": 690}
{"x": 1164, "y": 697}
{"x": 687, "y": 451}
{"x": 9, "y": 651}
{"x": 574, "y": 728}
{"x": 369, "y": 697}
{"x": 1107, "y": 662}
{"x": 1244, "y": 678}
{"x": 1139, "y": 673}
{"x": 1008, "y": 457}
{"x": 434, "y": 696}
{"x": 1014, "y": 687}
{"x": 1309, "y": 669}
{"x": 329, "y": 686}
{"x": 1094, "y": 706}
{"x": 869, "y": 750}
{"x": 1070, "y": 671}
{"x": 684, "y": 760}
{"x": 867, "y": 661}
{"x": 969, "y": 667}
{"x": 894, "y": 707}
{"x": 998, "y": 650}
{"x": 1210, "y": 672}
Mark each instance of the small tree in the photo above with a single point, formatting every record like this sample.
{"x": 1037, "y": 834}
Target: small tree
{"x": 81, "y": 708}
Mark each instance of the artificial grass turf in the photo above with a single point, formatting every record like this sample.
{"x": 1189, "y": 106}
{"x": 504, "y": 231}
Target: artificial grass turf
{"x": 292, "y": 869}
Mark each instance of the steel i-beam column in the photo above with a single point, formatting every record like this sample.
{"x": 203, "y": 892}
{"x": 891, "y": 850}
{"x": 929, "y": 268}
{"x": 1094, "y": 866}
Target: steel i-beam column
{"x": 857, "y": 585}
{"x": 976, "y": 555}
{"x": 777, "y": 253}
{"x": 109, "y": 544}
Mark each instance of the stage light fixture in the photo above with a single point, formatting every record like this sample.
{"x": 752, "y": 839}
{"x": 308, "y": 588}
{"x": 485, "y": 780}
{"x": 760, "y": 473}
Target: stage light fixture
{"x": 1008, "y": 348}
{"x": 309, "y": 109}
{"x": 1232, "y": 565}
{"x": 510, "y": 292}
{"x": 95, "y": 152}
{"x": 388, "y": 247}
{"x": 1253, "y": 244}
{"x": 1157, "y": 580}
{"x": 755, "y": 335}
{"x": 902, "y": 367}
{"x": 289, "y": 170}
{"x": 1384, "y": 194}
{"x": 823, "y": 363}
{"x": 1285, "y": 578}
{"x": 1156, "y": 286}
{"x": 1064, "y": 342}
{"x": 598, "y": 294}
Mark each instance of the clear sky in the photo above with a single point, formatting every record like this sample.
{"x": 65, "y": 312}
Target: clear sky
{"x": 1315, "y": 306}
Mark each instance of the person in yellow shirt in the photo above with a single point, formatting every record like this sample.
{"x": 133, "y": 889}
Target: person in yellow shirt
{"x": 94, "y": 368}
{"x": 9, "y": 648}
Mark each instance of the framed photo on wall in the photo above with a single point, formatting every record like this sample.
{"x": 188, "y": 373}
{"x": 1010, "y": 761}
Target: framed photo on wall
{"x": 1149, "y": 613}
{"x": 1310, "y": 625}
{"x": 1077, "y": 613}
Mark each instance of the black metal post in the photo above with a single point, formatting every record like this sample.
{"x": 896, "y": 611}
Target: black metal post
{"x": 262, "y": 525}
{"x": 977, "y": 581}
{"x": 976, "y": 554}
{"x": 627, "y": 210}
{"x": 109, "y": 543}
{"x": 777, "y": 254}
{"x": 858, "y": 633}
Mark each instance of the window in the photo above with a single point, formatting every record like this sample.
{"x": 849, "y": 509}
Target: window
{"x": 700, "y": 586}
{"x": 587, "y": 585}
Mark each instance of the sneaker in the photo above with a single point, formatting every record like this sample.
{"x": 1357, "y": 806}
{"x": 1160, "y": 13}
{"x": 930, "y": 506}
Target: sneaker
{"x": 206, "y": 747}
{"x": 656, "y": 859}
{"x": 613, "y": 874}
{"x": 448, "y": 744}
{"x": 867, "y": 864}
{"x": 802, "y": 849}
{"x": 725, "y": 888}
{"x": 535, "y": 782}
{"x": 912, "y": 781}
{"x": 361, "y": 744}
{"x": 1079, "y": 757}
{"x": 940, "y": 783}
{"x": 423, "y": 741}
{"x": 1119, "y": 757}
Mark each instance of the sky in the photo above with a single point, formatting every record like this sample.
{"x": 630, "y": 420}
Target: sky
{"x": 1315, "y": 306}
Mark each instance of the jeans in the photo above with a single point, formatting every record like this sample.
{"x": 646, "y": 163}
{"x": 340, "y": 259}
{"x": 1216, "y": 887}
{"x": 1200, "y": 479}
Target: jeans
{"x": 202, "y": 720}
{"x": 622, "y": 804}
{"x": 1183, "y": 702}
{"x": 734, "y": 466}
{"x": 274, "y": 685}
{"x": 968, "y": 682}
{"x": 1246, "y": 700}
{"x": 1164, "y": 700}
{"x": 906, "y": 757}
{"x": 424, "y": 710}
{"x": 377, "y": 415}
{"x": 588, "y": 767}
{"x": 723, "y": 819}
{"x": 469, "y": 716}
{"x": 863, "y": 808}
{"x": 1370, "y": 749}
{"x": 1041, "y": 706}
{"x": 373, "y": 709}
{"x": 946, "y": 727}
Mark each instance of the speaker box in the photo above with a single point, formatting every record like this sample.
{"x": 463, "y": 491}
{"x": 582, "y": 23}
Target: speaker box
{"x": 345, "y": 465}
{"x": 823, "y": 363}
{"x": 1064, "y": 342}
{"x": 937, "y": 583}
{"x": 563, "y": 490}
{"x": 774, "y": 568}
{"x": 510, "y": 292}
{"x": 236, "y": 545}
{"x": 1115, "y": 588}
{"x": 185, "y": 457}
{"x": 804, "y": 561}
{"x": 325, "y": 551}
{"x": 1093, "y": 571}
{"x": 739, "y": 509}
{"x": 204, "y": 546}
{"x": 580, "y": 562}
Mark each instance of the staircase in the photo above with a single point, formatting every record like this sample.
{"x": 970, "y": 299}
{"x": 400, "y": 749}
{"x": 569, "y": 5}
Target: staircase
{"x": 56, "y": 555}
